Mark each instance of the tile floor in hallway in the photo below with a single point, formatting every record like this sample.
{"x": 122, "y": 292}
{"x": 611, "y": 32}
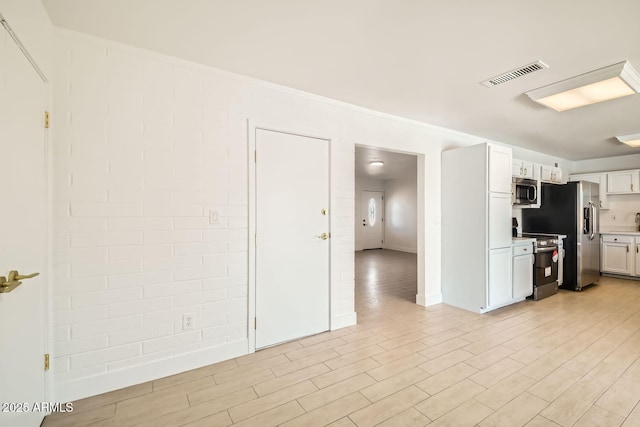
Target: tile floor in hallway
{"x": 571, "y": 359}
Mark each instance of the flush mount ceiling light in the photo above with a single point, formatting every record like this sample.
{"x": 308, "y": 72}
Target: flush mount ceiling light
{"x": 632, "y": 140}
{"x": 614, "y": 81}
{"x": 376, "y": 163}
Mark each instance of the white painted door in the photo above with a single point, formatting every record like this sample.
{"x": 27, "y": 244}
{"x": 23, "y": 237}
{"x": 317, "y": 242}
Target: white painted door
{"x": 22, "y": 235}
{"x": 372, "y": 204}
{"x": 292, "y": 230}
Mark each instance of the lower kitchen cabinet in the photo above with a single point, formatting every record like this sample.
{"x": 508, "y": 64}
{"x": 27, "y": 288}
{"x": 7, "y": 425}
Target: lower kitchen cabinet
{"x": 523, "y": 261}
{"x": 618, "y": 254}
{"x": 499, "y": 289}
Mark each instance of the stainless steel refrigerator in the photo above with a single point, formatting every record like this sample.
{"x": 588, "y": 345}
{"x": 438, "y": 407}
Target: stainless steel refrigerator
{"x": 571, "y": 209}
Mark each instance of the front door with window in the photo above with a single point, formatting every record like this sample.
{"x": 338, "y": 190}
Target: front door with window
{"x": 372, "y": 221}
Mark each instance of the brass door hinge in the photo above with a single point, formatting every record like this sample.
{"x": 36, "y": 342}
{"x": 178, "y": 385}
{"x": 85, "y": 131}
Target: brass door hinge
{"x": 47, "y": 119}
{"x": 46, "y": 362}
{"x": 255, "y": 323}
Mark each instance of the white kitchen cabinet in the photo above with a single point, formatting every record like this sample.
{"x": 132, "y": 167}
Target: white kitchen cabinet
{"x": 499, "y": 214}
{"x": 476, "y": 227}
{"x": 522, "y": 169}
{"x": 550, "y": 174}
{"x": 500, "y": 289}
{"x": 598, "y": 178}
{"x": 499, "y": 167}
{"x": 623, "y": 182}
{"x": 617, "y": 254}
{"x": 522, "y": 275}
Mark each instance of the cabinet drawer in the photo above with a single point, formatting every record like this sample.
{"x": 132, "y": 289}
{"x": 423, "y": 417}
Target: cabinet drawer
{"x": 612, "y": 238}
{"x": 522, "y": 250}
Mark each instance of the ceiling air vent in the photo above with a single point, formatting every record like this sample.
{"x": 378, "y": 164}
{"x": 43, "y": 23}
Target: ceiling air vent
{"x": 514, "y": 74}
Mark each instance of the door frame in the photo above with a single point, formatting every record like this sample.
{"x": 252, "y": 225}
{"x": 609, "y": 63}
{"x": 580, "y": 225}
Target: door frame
{"x": 421, "y": 199}
{"x": 252, "y": 127}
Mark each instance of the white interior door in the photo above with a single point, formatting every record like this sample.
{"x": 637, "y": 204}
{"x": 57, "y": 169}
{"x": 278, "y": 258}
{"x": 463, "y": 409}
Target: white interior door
{"x": 372, "y": 204}
{"x": 22, "y": 235}
{"x": 292, "y": 259}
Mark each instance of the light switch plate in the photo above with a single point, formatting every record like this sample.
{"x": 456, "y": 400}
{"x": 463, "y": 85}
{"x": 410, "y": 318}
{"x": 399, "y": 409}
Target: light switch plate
{"x": 214, "y": 216}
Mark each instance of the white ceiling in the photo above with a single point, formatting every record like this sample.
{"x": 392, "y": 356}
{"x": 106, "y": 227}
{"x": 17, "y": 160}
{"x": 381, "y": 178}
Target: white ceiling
{"x": 396, "y": 165}
{"x": 420, "y": 59}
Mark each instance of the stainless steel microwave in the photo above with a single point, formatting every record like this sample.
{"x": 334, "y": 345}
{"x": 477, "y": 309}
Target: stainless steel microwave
{"x": 524, "y": 191}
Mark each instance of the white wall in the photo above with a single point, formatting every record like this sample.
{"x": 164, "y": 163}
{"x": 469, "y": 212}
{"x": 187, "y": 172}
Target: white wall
{"x": 361, "y": 185}
{"x": 145, "y": 145}
{"x": 606, "y": 164}
{"x": 401, "y": 210}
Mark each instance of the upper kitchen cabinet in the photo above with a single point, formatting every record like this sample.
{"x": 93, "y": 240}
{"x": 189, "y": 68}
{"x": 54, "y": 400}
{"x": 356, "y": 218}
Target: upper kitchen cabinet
{"x": 522, "y": 169}
{"x": 550, "y": 174}
{"x": 598, "y": 178}
{"x": 499, "y": 167}
{"x": 623, "y": 182}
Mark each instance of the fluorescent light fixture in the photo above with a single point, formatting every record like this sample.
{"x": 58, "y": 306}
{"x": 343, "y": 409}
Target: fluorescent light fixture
{"x": 632, "y": 140}
{"x": 614, "y": 81}
{"x": 376, "y": 163}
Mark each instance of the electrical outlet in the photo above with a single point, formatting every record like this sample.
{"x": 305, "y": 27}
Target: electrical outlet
{"x": 187, "y": 322}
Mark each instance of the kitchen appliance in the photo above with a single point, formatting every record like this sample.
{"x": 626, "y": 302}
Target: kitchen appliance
{"x": 571, "y": 209}
{"x": 545, "y": 272}
{"x": 514, "y": 227}
{"x": 524, "y": 191}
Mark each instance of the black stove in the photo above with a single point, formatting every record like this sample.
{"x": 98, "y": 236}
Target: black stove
{"x": 545, "y": 272}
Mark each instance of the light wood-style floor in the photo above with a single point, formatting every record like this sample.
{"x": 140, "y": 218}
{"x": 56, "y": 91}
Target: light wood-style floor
{"x": 571, "y": 359}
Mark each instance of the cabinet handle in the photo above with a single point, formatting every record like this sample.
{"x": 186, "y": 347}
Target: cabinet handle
{"x": 631, "y": 186}
{"x": 627, "y": 248}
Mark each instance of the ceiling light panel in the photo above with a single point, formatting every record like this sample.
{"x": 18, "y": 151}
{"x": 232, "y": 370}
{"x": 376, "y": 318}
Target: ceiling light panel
{"x": 615, "y": 81}
{"x": 632, "y": 140}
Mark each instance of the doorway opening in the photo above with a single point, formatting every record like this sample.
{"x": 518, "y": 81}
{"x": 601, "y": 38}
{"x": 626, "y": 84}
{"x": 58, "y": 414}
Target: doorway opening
{"x": 386, "y": 230}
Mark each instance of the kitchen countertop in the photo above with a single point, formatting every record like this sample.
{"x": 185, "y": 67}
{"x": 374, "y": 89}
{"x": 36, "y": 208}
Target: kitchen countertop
{"x": 522, "y": 240}
{"x": 623, "y": 232}
{"x": 559, "y": 236}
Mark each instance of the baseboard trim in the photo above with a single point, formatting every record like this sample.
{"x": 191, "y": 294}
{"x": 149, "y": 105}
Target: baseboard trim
{"x": 344, "y": 320}
{"x": 103, "y": 383}
{"x": 401, "y": 249}
{"x": 431, "y": 299}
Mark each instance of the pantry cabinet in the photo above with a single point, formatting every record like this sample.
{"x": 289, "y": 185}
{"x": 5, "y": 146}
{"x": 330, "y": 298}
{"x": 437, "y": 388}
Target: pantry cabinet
{"x": 477, "y": 216}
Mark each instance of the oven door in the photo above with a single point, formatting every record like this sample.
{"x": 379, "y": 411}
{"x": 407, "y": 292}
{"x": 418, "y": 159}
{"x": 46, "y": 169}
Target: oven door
{"x": 546, "y": 269}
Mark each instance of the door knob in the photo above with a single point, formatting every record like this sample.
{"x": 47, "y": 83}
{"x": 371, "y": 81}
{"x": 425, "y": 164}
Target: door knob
{"x": 324, "y": 236}
{"x": 14, "y": 281}
{"x": 14, "y": 275}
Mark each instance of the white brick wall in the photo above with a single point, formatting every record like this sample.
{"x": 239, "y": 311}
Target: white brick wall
{"x": 145, "y": 146}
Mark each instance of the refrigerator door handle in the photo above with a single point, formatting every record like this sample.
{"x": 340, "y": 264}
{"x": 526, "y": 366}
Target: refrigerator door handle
{"x": 592, "y": 223}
